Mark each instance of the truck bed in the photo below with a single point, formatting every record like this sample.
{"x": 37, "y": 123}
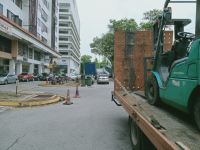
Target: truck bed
{"x": 165, "y": 127}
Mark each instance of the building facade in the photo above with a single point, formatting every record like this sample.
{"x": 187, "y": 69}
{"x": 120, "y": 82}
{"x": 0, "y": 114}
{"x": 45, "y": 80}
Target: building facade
{"x": 26, "y": 36}
{"x": 69, "y": 36}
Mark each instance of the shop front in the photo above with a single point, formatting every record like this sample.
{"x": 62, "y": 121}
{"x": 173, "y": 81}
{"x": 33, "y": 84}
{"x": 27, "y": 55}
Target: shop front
{"x": 4, "y": 66}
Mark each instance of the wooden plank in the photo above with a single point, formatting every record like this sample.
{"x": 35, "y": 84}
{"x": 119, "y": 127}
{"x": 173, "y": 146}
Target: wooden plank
{"x": 159, "y": 140}
{"x": 155, "y": 136}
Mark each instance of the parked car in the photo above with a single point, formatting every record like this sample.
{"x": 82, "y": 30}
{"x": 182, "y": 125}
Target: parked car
{"x": 103, "y": 78}
{"x": 25, "y": 77}
{"x": 7, "y": 78}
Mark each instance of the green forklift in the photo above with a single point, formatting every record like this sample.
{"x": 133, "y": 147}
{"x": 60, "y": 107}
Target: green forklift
{"x": 175, "y": 75}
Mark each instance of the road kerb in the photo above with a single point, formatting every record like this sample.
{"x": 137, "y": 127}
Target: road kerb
{"x": 36, "y": 102}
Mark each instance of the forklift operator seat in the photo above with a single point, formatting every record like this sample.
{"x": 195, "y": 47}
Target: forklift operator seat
{"x": 180, "y": 48}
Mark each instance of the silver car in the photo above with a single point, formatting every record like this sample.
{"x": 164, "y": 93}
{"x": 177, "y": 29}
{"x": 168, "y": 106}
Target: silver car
{"x": 7, "y": 78}
{"x": 103, "y": 78}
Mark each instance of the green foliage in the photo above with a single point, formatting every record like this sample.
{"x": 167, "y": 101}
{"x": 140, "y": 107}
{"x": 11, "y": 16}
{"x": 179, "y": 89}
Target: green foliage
{"x": 152, "y": 15}
{"x": 149, "y": 18}
{"x": 97, "y": 63}
{"x": 103, "y": 63}
{"x": 146, "y": 26}
{"x": 86, "y": 58}
{"x": 104, "y": 45}
{"x": 123, "y": 25}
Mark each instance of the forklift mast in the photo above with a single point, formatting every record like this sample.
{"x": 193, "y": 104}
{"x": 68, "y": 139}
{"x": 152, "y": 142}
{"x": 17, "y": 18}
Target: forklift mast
{"x": 179, "y": 24}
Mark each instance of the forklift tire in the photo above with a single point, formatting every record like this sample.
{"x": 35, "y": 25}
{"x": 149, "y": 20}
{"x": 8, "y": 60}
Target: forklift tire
{"x": 153, "y": 91}
{"x": 197, "y": 112}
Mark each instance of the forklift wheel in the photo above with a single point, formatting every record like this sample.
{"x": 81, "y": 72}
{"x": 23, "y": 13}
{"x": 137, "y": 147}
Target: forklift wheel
{"x": 197, "y": 113}
{"x": 152, "y": 91}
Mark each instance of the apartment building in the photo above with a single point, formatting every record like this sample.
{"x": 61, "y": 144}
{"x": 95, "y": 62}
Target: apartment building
{"x": 69, "y": 36}
{"x": 26, "y": 43}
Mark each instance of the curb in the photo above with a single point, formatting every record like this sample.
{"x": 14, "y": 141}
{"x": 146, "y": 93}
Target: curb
{"x": 36, "y": 102}
{"x": 47, "y": 85}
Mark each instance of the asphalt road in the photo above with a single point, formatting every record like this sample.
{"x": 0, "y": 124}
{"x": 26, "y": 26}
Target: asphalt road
{"x": 93, "y": 122}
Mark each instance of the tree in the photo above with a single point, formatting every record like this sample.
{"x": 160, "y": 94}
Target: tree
{"x": 97, "y": 63}
{"x": 123, "y": 25}
{"x": 86, "y": 59}
{"x": 149, "y": 18}
{"x": 104, "y": 45}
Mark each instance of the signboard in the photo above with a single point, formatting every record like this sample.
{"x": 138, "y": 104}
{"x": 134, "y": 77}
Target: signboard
{"x": 5, "y": 27}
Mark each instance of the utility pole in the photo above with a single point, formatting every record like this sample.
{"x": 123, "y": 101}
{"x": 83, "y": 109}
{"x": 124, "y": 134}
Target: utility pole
{"x": 197, "y": 30}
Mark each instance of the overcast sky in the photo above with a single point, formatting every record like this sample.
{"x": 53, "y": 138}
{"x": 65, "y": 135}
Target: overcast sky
{"x": 95, "y": 15}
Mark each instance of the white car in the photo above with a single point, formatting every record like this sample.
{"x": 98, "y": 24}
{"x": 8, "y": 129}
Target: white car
{"x": 103, "y": 78}
{"x": 7, "y": 78}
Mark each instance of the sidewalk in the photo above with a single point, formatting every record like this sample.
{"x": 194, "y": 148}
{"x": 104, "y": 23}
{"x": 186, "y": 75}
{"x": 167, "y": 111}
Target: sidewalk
{"x": 27, "y": 99}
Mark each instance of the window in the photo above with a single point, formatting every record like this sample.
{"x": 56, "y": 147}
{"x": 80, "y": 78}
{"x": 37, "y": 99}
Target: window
{"x": 20, "y": 49}
{"x": 44, "y": 27}
{"x": 44, "y": 15}
{"x": 44, "y": 39}
{"x": 5, "y": 44}
{"x": 63, "y": 60}
{"x": 46, "y": 3}
{"x": 37, "y": 55}
{"x": 30, "y": 53}
{"x": 14, "y": 18}
{"x": 25, "y": 51}
{"x": 63, "y": 46}
{"x": 64, "y": 53}
{"x": 63, "y": 10}
{"x": 1, "y": 9}
{"x": 10, "y": 15}
{"x": 39, "y": 22}
{"x": 63, "y": 24}
{"x": 63, "y": 31}
{"x": 38, "y": 35}
{"x": 63, "y": 4}
{"x": 18, "y": 3}
{"x": 63, "y": 17}
{"x": 17, "y": 20}
{"x": 40, "y": 8}
{"x": 63, "y": 39}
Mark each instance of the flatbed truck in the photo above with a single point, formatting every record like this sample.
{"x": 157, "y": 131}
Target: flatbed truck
{"x": 152, "y": 127}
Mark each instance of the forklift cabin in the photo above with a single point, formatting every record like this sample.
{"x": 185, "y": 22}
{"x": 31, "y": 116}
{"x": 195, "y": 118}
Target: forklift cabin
{"x": 180, "y": 48}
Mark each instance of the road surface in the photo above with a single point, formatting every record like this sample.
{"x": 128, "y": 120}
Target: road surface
{"x": 93, "y": 122}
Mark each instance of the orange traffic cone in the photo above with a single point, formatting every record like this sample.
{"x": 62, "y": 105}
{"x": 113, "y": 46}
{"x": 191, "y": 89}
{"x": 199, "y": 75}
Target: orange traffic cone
{"x": 77, "y": 92}
{"x": 67, "y": 99}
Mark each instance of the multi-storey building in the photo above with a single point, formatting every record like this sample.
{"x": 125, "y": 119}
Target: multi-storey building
{"x": 26, "y": 36}
{"x": 69, "y": 36}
